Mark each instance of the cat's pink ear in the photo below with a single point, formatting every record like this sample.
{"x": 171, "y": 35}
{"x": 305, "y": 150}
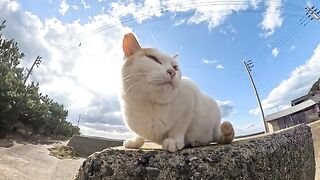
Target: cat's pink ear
{"x": 130, "y": 44}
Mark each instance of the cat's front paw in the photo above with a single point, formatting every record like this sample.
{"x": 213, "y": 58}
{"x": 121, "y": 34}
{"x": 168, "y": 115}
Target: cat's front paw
{"x": 171, "y": 145}
{"x": 135, "y": 143}
{"x": 227, "y": 133}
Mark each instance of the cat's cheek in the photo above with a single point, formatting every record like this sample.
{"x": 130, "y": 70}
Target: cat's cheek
{"x": 176, "y": 82}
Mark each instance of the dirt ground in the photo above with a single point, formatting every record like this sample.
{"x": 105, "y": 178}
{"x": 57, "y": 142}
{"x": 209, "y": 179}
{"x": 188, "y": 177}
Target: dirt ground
{"x": 24, "y": 161}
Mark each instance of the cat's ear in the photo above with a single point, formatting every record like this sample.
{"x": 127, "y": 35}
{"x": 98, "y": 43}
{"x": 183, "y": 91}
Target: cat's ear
{"x": 130, "y": 44}
{"x": 176, "y": 56}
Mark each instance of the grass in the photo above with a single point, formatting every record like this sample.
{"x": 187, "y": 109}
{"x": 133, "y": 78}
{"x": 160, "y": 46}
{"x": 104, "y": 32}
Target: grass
{"x": 63, "y": 152}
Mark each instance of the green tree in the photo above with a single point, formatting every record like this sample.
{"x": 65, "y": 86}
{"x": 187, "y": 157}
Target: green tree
{"x": 25, "y": 103}
{"x": 11, "y": 84}
{"x": 315, "y": 87}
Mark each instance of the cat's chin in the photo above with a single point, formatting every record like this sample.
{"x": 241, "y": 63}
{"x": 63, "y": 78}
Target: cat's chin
{"x": 166, "y": 84}
{"x": 170, "y": 84}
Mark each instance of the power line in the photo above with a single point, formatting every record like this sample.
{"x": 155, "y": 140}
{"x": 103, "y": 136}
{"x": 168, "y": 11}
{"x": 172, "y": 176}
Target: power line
{"x": 285, "y": 37}
{"x": 165, "y": 8}
{"x": 312, "y": 14}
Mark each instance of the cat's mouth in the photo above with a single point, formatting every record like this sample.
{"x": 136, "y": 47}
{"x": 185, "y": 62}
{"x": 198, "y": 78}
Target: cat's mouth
{"x": 166, "y": 83}
{"x": 170, "y": 83}
{"x": 163, "y": 82}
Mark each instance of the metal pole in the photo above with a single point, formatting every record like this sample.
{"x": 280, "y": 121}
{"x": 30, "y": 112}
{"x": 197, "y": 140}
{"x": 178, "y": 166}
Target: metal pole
{"x": 247, "y": 67}
{"x": 36, "y": 62}
{"x": 79, "y": 118}
{"x": 313, "y": 12}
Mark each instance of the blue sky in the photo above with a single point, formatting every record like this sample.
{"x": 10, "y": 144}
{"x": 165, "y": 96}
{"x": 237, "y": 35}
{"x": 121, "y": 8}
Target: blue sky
{"x": 212, "y": 38}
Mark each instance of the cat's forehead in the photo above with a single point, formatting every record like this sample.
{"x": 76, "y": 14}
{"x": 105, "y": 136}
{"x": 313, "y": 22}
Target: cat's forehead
{"x": 155, "y": 52}
{"x": 145, "y": 52}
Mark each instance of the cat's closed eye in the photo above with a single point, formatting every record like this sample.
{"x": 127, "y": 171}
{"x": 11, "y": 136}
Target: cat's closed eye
{"x": 175, "y": 67}
{"x": 153, "y": 58}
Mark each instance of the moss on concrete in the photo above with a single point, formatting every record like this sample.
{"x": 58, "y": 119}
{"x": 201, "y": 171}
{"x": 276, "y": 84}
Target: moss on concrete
{"x": 63, "y": 152}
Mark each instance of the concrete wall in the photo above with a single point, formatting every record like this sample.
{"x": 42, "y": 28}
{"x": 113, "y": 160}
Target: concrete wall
{"x": 273, "y": 126}
{"x": 86, "y": 145}
{"x": 287, "y": 154}
{"x": 315, "y": 129}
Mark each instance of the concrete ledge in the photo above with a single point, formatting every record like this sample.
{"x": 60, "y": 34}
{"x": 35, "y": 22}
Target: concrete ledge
{"x": 86, "y": 145}
{"x": 288, "y": 154}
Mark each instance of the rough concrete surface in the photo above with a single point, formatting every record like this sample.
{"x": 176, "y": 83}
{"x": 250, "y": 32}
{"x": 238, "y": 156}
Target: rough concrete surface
{"x": 33, "y": 162}
{"x": 315, "y": 129}
{"x": 287, "y": 154}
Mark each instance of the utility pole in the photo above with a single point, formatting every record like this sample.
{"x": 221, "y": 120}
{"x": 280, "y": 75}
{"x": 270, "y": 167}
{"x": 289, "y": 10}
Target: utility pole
{"x": 312, "y": 14}
{"x": 36, "y": 62}
{"x": 248, "y": 65}
{"x": 79, "y": 118}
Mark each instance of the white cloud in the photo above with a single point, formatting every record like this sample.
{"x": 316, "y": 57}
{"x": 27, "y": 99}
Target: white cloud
{"x": 233, "y": 30}
{"x": 96, "y": 131}
{"x": 212, "y": 12}
{"x": 275, "y": 52}
{"x": 219, "y": 66}
{"x": 255, "y": 3}
{"x": 74, "y": 75}
{"x": 63, "y": 7}
{"x": 229, "y": 29}
{"x": 272, "y": 18}
{"x": 74, "y": 7}
{"x": 180, "y": 22}
{"x": 293, "y": 47}
{"x": 248, "y": 129}
{"x": 140, "y": 11}
{"x": 85, "y": 5}
{"x": 208, "y": 61}
{"x": 226, "y": 108}
{"x": 82, "y": 77}
{"x": 298, "y": 84}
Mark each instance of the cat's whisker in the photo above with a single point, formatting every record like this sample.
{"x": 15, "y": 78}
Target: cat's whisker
{"x": 132, "y": 75}
{"x": 132, "y": 85}
{"x": 133, "y": 79}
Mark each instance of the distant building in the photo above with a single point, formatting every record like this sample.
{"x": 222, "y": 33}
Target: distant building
{"x": 304, "y": 109}
{"x": 314, "y": 97}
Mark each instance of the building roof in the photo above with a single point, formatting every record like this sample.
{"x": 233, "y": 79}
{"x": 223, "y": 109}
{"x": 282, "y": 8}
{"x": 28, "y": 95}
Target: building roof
{"x": 291, "y": 110}
{"x": 299, "y": 100}
{"x": 314, "y": 96}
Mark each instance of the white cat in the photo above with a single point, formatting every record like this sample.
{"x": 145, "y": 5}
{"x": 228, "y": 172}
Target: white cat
{"x": 161, "y": 107}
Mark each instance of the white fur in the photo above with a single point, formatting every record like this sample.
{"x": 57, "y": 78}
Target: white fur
{"x": 170, "y": 112}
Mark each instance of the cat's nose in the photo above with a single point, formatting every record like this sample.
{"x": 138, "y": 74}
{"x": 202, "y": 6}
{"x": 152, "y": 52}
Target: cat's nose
{"x": 171, "y": 72}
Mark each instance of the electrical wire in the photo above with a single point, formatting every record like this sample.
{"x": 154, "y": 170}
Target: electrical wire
{"x": 162, "y": 9}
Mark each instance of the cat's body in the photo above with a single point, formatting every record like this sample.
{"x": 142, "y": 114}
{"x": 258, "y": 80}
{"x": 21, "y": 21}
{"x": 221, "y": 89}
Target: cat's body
{"x": 161, "y": 107}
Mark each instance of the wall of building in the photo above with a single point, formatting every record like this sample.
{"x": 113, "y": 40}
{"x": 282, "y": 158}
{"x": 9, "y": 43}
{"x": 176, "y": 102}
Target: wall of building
{"x": 306, "y": 116}
{"x": 273, "y": 126}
